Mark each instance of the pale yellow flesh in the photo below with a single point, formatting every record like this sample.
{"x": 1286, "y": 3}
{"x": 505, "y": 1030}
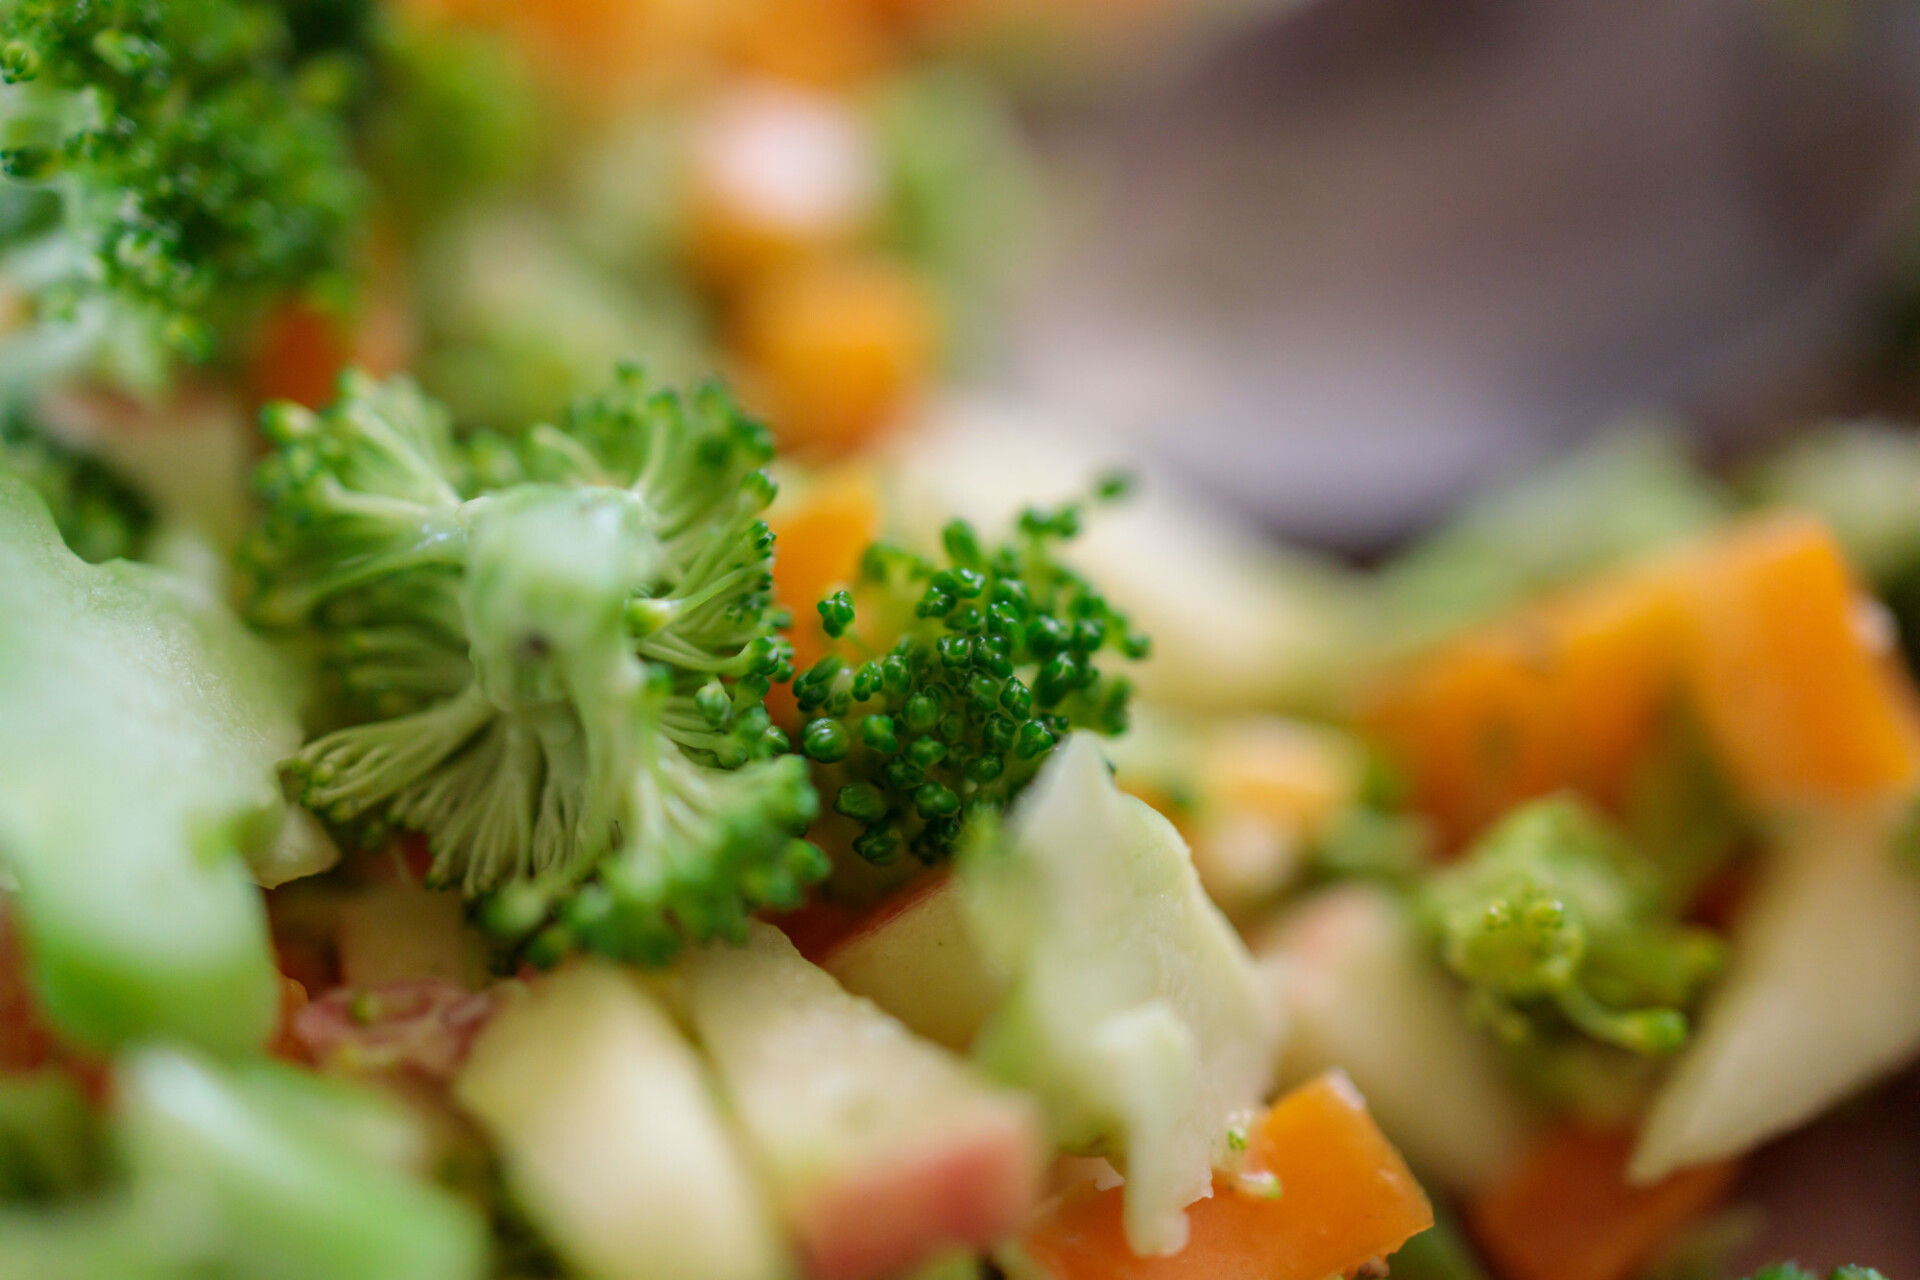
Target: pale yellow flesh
{"x": 1362, "y": 993}
{"x": 1821, "y": 997}
{"x": 922, "y": 967}
{"x": 611, "y": 1138}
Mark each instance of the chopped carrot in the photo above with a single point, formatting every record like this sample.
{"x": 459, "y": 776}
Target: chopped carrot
{"x": 302, "y": 348}
{"x": 828, "y": 43}
{"x": 1566, "y": 694}
{"x": 1567, "y": 1213}
{"x": 837, "y": 350}
{"x": 1345, "y": 1198}
{"x": 819, "y": 537}
{"x": 1791, "y": 670}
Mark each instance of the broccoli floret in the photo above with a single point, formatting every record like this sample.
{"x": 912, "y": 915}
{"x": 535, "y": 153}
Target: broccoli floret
{"x": 554, "y": 652}
{"x": 1793, "y": 1271}
{"x": 100, "y": 516}
{"x": 203, "y": 167}
{"x": 1551, "y": 912}
{"x": 975, "y": 670}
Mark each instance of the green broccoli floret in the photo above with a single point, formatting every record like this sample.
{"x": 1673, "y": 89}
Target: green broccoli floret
{"x": 203, "y": 167}
{"x": 1551, "y": 912}
{"x": 1792, "y": 1271}
{"x": 976, "y": 669}
{"x": 100, "y": 516}
{"x": 554, "y": 650}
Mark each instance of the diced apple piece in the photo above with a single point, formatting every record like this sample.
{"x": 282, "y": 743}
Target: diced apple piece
{"x": 402, "y": 933}
{"x": 1821, "y": 997}
{"x": 883, "y": 1151}
{"x": 914, "y": 958}
{"x": 1135, "y": 1012}
{"x": 1362, "y": 994}
{"x": 611, "y": 1139}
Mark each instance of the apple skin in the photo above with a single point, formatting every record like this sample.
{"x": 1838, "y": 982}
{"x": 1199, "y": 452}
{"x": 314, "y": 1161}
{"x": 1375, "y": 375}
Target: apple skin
{"x": 973, "y": 1190}
{"x": 882, "y": 1151}
{"x": 912, "y": 955}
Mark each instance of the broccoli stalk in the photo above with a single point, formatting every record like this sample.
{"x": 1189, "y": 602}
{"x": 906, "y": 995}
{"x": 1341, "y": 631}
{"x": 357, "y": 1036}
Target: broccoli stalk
{"x": 975, "y": 671}
{"x": 1549, "y": 913}
{"x": 553, "y": 653}
{"x": 202, "y": 166}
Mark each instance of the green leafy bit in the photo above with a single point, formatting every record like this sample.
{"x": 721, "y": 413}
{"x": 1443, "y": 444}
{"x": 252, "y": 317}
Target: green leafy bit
{"x": 980, "y": 665}
{"x": 1551, "y": 914}
{"x": 553, "y": 652}
{"x": 203, "y": 167}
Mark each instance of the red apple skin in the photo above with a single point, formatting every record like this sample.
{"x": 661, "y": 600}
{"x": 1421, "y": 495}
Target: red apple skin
{"x": 911, "y": 956}
{"x": 970, "y": 1193}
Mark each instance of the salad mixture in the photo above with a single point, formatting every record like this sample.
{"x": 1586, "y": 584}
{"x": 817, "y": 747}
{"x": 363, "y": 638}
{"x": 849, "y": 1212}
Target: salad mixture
{"x": 531, "y": 747}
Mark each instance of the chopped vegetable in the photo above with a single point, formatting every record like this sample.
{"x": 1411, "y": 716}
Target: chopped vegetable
{"x": 1135, "y": 1014}
{"x": 1790, "y": 669}
{"x": 1364, "y": 993}
{"x": 964, "y": 678}
{"x": 139, "y": 726}
{"x": 1821, "y": 996}
{"x": 202, "y": 166}
{"x": 1552, "y": 910}
{"x": 881, "y": 1151}
{"x": 1568, "y": 1213}
{"x": 611, "y": 1138}
{"x": 253, "y": 1170}
{"x": 555, "y": 652}
{"x": 1321, "y": 1194}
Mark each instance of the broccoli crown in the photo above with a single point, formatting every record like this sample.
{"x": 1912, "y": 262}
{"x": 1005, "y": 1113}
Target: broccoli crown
{"x": 552, "y": 653}
{"x": 202, "y": 164}
{"x": 1551, "y": 912}
{"x": 977, "y": 668}
{"x": 99, "y": 515}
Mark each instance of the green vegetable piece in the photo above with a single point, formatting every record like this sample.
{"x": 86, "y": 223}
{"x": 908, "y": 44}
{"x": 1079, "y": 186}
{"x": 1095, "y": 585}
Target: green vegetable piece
{"x": 531, "y": 661}
{"x": 1551, "y": 912}
{"x": 100, "y": 516}
{"x": 200, "y": 160}
{"x": 1135, "y": 1014}
{"x": 250, "y": 1172}
{"x": 989, "y": 661}
{"x": 139, "y": 728}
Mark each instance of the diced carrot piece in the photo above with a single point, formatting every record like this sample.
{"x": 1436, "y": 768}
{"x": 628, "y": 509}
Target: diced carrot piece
{"x": 1569, "y": 693}
{"x": 830, "y": 43}
{"x": 819, "y": 538}
{"x": 1345, "y": 1198}
{"x": 302, "y": 348}
{"x": 836, "y": 350}
{"x": 1790, "y": 670}
{"x": 1567, "y": 1213}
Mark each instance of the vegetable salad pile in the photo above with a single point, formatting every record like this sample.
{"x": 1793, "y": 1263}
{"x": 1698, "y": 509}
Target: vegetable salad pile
{"x": 532, "y": 746}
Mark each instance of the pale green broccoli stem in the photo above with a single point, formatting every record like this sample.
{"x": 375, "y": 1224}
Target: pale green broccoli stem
{"x": 1547, "y": 910}
{"x": 247, "y": 1171}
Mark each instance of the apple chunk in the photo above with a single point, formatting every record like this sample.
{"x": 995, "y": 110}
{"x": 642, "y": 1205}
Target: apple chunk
{"x": 610, "y": 1138}
{"x": 1821, "y": 997}
{"x": 913, "y": 957}
{"x": 882, "y": 1150}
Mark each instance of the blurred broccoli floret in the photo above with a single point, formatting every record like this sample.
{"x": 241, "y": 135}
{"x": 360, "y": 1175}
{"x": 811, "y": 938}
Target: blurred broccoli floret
{"x": 1793, "y": 1271}
{"x": 555, "y": 650}
{"x": 1550, "y": 912}
{"x": 203, "y": 168}
{"x": 100, "y": 516}
{"x": 977, "y": 668}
